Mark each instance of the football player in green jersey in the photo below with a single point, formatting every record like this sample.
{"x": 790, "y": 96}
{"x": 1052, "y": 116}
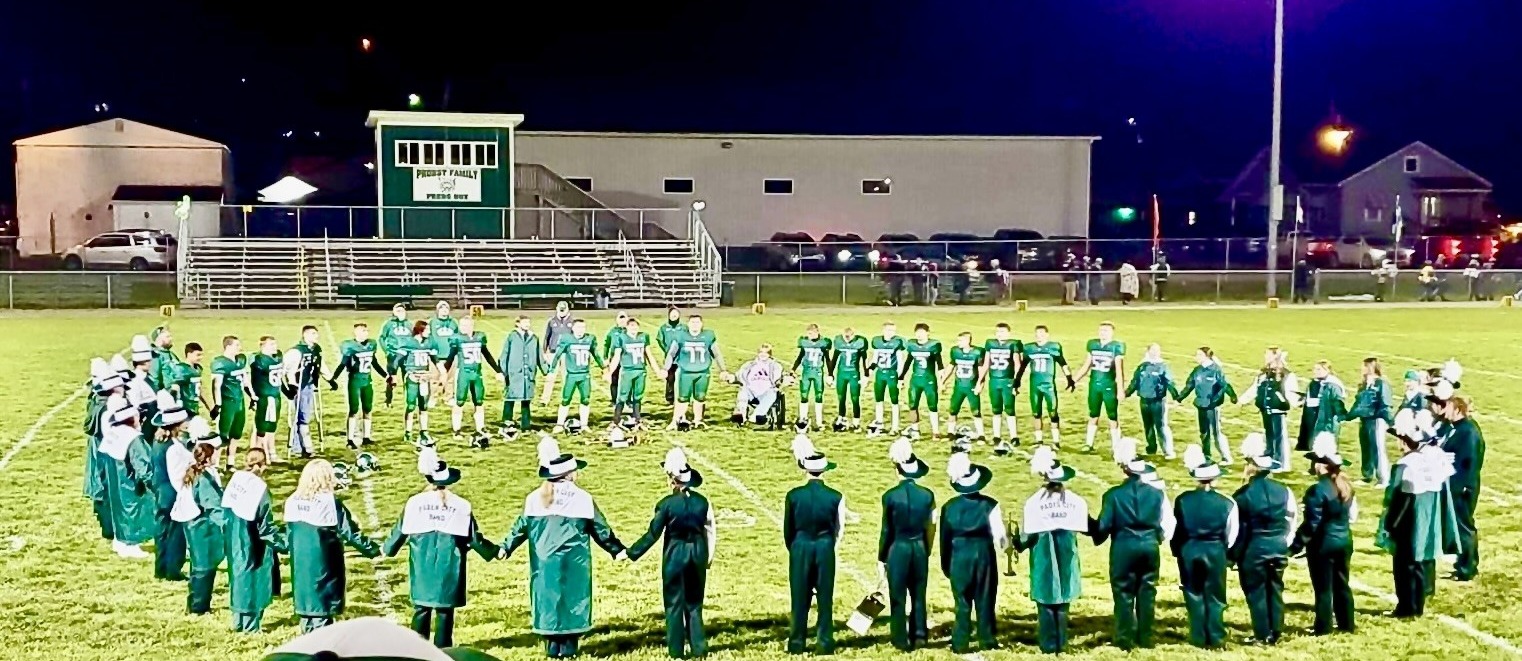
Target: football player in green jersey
{"x": 810, "y": 366}
{"x": 392, "y": 333}
{"x": 608, "y": 340}
{"x": 421, "y": 372}
{"x": 966, "y": 368}
{"x": 268, "y": 376}
{"x": 441, "y": 331}
{"x": 845, "y": 371}
{"x": 1043, "y": 358}
{"x": 1001, "y": 355}
{"x": 923, "y": 367}
{"x": 1104, "y": 365}
{"x": 357, "y": 358}
{"x": 467, "y": 351}
{"x": 694, "y": 353}
{"x": 886, "y": 359}
{"x": 633, "y": 355}
{"x": 187, "y": 379}
{"x": 579, "y": 349}
{"x": 231, "y": 393}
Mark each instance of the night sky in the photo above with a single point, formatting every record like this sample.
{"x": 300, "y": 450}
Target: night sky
{"x": 1194, "y": 73}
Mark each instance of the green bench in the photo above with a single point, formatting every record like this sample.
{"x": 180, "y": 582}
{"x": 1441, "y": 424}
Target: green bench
{"x": 519, "y": 293}
{"x": 385, "y": 294}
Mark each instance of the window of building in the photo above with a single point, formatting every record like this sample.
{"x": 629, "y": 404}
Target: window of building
{"x": 777, "y": 186}
{"x": 1413, "y": 164}
{"x": 877, "y": 186}
{"x": 584, "y": 183}
{"x": 1432, "y": 207}
{"x": 677, "y": 186}
{"x": 413, "y": 153}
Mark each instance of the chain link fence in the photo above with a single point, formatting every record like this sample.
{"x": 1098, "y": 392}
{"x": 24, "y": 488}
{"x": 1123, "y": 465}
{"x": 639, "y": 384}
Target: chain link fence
{"x": 48, "y": 290}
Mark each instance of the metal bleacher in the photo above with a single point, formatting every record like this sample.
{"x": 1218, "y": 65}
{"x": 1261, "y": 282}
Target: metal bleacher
{"x": 291, "y": 273}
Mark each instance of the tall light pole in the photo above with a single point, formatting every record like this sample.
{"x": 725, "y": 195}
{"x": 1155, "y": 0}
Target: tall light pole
{"x": 1275, "y": 189}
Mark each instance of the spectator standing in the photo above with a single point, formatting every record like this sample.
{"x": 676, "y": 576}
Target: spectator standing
{"x": 1069, "y": 278}
{"x": 1472, "y": 277}
{"x": 932, "y": 282}
{"x": 1085, "y": 279}
{"x": 1096, "y": 281}
{"x": 998, "y": 282}
{"x": 1160, "y": 272}
{"x": 1302, "y": 275}
{"x": 1130, "y": 283}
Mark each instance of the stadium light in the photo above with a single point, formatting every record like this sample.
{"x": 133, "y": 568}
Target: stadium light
{"x": 1125, "y": 214}
{"x": 365, "y": 44}
{"x": 699, "y": 205}
{"x": 844, "y": 256}
{"x": 287, "y": 190}
{"x": 1334, "y": 139}
{"x": 414, "y": 101}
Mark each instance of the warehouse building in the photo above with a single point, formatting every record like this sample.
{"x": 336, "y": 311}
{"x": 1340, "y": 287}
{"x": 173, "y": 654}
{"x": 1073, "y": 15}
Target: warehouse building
{"x": 66, "y": 180}
{"x": 757, "y": 185}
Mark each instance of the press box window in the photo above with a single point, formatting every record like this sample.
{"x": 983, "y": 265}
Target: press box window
{"x": 877, "y": 187}
{"x": 584, "y": 183}
{"x": 677, "y": 186}
{"x": 777, "y": 186}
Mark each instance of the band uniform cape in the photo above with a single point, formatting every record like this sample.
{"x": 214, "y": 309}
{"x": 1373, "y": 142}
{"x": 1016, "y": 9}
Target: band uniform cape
{"x": 439, "y": 531}
{"x": 126, "y": 469}
{"x": 1050, "y": 525}
{"x": 317, "y": 529}
{"x": 198, "y": 507}
{"x": 522, "y": 361}
{"x": 252, "y": 539}
{"x": 560, "y": 557}
{"x": 1419, "y": 508}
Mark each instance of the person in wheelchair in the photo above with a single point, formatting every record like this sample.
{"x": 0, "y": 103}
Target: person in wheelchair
{"x": 758, "y": 379}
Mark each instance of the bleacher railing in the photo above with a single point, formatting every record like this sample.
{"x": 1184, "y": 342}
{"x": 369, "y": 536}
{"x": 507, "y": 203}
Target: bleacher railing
{"x": 559, "y": 223}
{"x": 711, "y": 262}
{"x": 35, "y": 290}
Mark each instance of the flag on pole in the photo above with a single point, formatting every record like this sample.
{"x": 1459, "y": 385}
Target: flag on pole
{"x": 1157, "y": 225}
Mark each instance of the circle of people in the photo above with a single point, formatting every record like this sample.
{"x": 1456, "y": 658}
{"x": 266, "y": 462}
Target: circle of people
{"x": 152, "y": 475}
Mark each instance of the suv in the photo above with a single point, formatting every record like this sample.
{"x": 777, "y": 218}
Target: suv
{"x": 137, "y": 250}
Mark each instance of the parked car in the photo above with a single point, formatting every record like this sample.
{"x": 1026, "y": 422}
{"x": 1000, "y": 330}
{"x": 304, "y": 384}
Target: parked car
{"x": 852, "y": 247}
{"x": 137, "y": 250}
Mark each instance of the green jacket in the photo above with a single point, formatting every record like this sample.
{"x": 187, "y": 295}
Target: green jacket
{"x": 129, "y": 490}
{"x": 907, "y": 512}
{"x": 1206, "y": 523}
{"x": 436, "y": 559}
{"x": 93, "y": 410}
{"x": 1056, "y": 573}
{"x": 1326, "y": 525}
{"x": 317, "y": 559}
{"x": 1209, "y": 385}
{"x": 252, "y": 579}
{"x": 811, "y": 512}
{"x": 1331, "y": 405}
{"x": 205, "y": 533}
{"x": 1467, "y": 445}
{"x": 161, "y": 372}
{"x": 522, "y": 361}
{"x": 667, "y": 334}
{"x": 1266, "y": 511}
{"x": 685, "y": 521}
{"x": 1152, "y": 381}
{"x": 560, "y": 533}
{"x": 1132, "y": 513}
{"x": 1425, "y": 523}
{"x": 1372, "y": 402}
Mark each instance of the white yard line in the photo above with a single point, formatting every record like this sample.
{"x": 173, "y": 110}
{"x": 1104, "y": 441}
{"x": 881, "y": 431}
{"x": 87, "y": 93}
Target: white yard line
{"x": 42, "y": 421}
{"x": 1468, "y": 629}
{"x": 383, "y": 592}
{"x": 755, "y": 500}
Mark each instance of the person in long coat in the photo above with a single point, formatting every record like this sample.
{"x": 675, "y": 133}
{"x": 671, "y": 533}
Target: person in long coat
{"x": 1467, "y": 445}
{"x": 1419, "y": 522}
{"x": 1310, "y": 410}
{"x": 560, "y": 521}
{"x": 686, "y": 522}
{"x": 1153, "y": 383}
{"x": 813, "y": 520}
{"x": 903, "y": 547}
{"x": 126, "y": 470}
{"x": 522, "y": 362}
{"x": 1266, "y": 510}
{"x": 1136, "y": 519}
{"x": 253, "y": 570}
{"x": 1208, "y": 383}
{"x": 439, "y": 531}
{"x": 1325, "y": 536}
{"x": 170, "y": 455}
{"x": 972, "y": 533}
{"x": 198, "y": 509}
{"x": 1273, "y": 393}
{"x": 1207, "y": 527}
{"x": 318, "y": 525}
{"x": 1371, "y": 407}
{"x": 104, "y": 382}
{"x": 1332, "y": 407}
{"x": 1050, "y": 524}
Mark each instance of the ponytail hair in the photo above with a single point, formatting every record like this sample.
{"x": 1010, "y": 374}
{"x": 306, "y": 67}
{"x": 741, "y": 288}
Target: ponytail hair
{"x": 167, "y": 434}
{"x": 547, "y": 493}
{"x": 201, "y": 460}
{"x": 1340, "y": 481}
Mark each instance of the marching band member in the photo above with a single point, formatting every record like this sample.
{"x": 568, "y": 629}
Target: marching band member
{"x": 560, "y": 521}
{"x": 198, "y": 510}
{"x": 1273, "y": 394}
{"x": 1419, "y": 523}
{"x": 972, "y": 533}
{"x": 813, "y": 521}
{"x": 318, "y": 525}
{"x": 1371, "y": 406}
{"x": 686, "y": 522}
{"x": 440, "y": 532}
{"x": 127, "y": 473}
{"x": 170, "y": 454}
{"x": 1052, "y": 519}
{"x": 1207, "y": 527}
{"x": 105, "y": 382}
{"x": 1325, "y": 536}
{"x": 1266, "y": 511}
{"x": 1135, "y": 518}
{"x": 253, "y": 576}
{"x": 1464, "y": 441}
{"x": 903, "y": 549}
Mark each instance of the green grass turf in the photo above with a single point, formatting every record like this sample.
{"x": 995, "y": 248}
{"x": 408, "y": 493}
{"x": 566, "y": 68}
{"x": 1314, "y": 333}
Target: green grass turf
{"x": 64, "y": 594}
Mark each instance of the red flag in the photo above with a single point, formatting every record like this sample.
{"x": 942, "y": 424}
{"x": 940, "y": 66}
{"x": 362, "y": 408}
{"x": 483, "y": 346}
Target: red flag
{"x": 1157, "y": 225}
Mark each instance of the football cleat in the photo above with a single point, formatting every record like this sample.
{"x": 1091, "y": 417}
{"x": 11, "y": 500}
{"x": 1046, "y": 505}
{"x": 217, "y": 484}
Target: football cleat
{"x": 802, "y": 426}
{"x": 737, "y": 418}
{"x": 480, "y": 441}
{"x": 683, "y": 425}
{"x": 912, "y": 432}
{"x": 1003, "y": 449}
{"x": 573, "y": 426}
{"x": 509, "y": 431}
{"x": 874, "y": 430}
{"x": 840, "y": 425}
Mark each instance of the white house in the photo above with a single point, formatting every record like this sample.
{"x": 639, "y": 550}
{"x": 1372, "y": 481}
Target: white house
{"x": 66, "y": 180}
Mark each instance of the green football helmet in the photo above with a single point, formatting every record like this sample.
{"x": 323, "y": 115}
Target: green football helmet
{"x": 366, "y": 463}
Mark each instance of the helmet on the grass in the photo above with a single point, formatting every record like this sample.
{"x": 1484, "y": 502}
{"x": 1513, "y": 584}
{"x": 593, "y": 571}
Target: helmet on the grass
{"x": 366, "y": 463}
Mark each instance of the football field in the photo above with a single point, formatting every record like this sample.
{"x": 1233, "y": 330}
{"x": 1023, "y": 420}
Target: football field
{"x": 66, "y": 595}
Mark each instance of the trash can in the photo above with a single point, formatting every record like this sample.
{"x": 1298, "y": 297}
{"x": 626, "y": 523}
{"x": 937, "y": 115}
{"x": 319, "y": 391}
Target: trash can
{"x": 727, "y": 293}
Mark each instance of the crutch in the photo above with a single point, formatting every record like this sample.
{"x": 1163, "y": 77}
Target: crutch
{"x": 322, "y": 445}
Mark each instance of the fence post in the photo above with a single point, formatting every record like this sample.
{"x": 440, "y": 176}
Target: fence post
{"x": 108, "y": 291}
{"x": 1218, "y": 277}
{"x": 10, "y": 291}
{"x": 758, "y": 288}
{"x": 843, "y": 277}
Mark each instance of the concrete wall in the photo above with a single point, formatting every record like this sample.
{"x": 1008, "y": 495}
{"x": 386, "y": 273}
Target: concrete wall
{"x": 73, "y": 186}
{"x": 975, "y": 185}
{"x": 204, "y": 221}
